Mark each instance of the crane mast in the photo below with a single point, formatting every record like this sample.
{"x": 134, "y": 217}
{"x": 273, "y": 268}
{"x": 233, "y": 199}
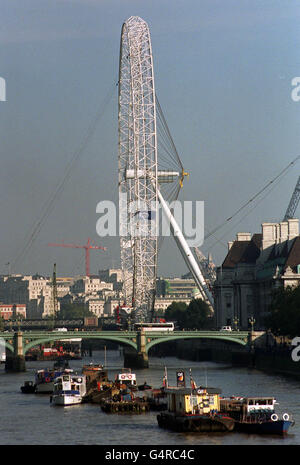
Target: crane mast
{"x": 54, "y": 293}
{"x": 87, "y": 247}
{"x": 292, "y": 207}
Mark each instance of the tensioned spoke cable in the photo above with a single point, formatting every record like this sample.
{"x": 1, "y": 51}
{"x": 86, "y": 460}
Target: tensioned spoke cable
{"x": 165, "y": 138}
{"x": 165, "y": 157}
{"x": 168, "y": 148}
{"x": 162, "y": 143}
{"x": 253, "y": 198}
{"x": 168, "y": 132}
{"x": 251, "y": 209}
{"x": 170, "y": 195}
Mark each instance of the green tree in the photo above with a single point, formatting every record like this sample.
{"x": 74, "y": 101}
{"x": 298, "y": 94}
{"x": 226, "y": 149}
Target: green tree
{"x": 284, "y": 317}
{"x": 73, "y": 311}
{"x": 192, "y": 316}
{"x": 197, "y": 315}
{"x": 175, "y": 312}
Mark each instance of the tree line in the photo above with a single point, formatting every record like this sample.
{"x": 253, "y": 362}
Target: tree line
{"x": 284, "y": 316}
{"x": 195, "y": 315}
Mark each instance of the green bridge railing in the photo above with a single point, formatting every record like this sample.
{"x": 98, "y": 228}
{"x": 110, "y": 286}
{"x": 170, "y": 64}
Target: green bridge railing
{"x": 130, "y": 338}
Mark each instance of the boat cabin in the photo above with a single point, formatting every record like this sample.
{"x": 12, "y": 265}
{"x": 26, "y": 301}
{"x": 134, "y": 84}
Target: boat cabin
{"x": 255, "y": 404}
{"x": 126, "y": 377}
{"x": 95, "y": 372}
{"x": 46, "y": 376}
{"x": 248, "y": 405}
{"x": 70, "y": 384}
{"x": 201, "y": 400}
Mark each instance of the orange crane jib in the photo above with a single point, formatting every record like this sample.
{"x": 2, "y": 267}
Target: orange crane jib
{"x": 88, "y": 246}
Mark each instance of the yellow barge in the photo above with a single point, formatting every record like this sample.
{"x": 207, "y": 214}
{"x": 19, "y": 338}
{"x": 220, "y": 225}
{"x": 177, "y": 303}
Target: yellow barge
{"x": 194, "y": 410}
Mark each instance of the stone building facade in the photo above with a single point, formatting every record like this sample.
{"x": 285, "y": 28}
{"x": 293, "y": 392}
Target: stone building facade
{"x": 8, "y": 311}
{"x": 254, "y": 267}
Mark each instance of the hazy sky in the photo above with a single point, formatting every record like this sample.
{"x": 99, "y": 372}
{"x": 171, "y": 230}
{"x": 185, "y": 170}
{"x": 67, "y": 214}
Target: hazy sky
{"x": 223, "y": 71}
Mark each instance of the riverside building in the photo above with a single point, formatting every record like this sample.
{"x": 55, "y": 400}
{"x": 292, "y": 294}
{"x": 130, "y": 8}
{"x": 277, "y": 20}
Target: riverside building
{"x": 253, "y": 268}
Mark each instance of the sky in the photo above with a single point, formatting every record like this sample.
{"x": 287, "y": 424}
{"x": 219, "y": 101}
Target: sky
{"x": 223, "y": 72}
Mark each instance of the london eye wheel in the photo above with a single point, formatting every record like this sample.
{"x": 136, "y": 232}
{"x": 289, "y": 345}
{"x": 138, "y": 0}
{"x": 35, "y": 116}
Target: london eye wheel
{"x": 137, "y": 167}
{"x": 143, "y": 176}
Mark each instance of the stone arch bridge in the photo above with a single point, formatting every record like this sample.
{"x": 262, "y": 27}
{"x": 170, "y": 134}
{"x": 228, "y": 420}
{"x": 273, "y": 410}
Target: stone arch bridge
{"x": 19, "y": 343}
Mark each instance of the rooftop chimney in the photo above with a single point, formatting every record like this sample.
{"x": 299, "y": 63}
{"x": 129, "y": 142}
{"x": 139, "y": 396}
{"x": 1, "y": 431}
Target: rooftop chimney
{"x": 243, "y": 236}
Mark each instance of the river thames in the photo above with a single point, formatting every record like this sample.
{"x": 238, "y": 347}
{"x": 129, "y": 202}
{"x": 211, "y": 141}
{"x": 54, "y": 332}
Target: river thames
{"x": 30, "y": 419}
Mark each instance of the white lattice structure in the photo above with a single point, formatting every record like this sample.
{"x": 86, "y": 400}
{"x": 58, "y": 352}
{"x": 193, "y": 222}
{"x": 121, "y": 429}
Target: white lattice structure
{"x": 140, "y": 181}
{"x": 137, "y": 166}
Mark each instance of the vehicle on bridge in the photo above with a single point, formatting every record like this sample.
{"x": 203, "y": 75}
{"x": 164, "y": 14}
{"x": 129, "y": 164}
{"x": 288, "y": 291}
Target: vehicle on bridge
{"x": 226, "y": 328}
{"x": 168, "y": 326}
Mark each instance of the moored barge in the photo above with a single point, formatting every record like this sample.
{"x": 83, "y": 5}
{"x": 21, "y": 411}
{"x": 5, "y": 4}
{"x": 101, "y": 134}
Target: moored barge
{"x": 125, "y": 406}
{"x": 157, "y": 399}
{"x": 194, "y": 410}
{"x": 256, "y": 415}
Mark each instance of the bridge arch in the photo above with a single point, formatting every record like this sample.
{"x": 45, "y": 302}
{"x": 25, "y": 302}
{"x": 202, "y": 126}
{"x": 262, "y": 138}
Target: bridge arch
{"x": 53, "y": 337}
{"x": 127, "y": 338}
{"x": 174, "y": 337}
{"x": 9, "y": 346}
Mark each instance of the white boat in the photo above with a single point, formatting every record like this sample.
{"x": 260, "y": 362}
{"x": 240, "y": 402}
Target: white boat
{"x": 69, "y": 389}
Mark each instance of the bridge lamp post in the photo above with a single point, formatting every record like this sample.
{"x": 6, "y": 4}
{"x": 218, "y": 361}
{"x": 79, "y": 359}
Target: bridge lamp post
{"x": 236, "y": 322}
{"x": 129, "y": 323}
{"x": 252, "y": 322}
